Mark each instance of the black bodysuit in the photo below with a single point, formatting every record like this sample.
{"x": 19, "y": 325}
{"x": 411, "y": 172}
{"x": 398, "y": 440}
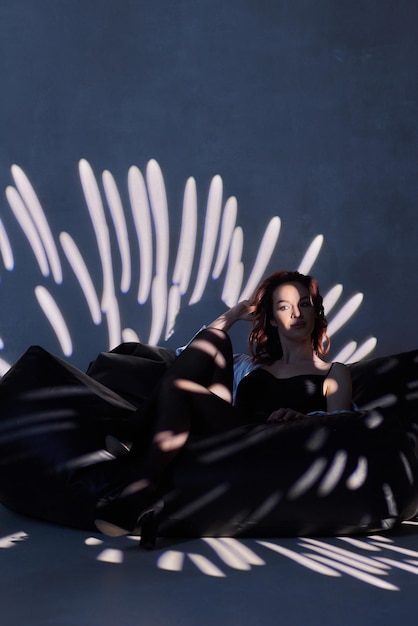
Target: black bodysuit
{"x": 260, "y": 393}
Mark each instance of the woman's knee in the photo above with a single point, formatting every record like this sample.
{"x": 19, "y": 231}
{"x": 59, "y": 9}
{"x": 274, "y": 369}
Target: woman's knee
{"x": 216, "y": 344}
{"x": 220, "y": 337}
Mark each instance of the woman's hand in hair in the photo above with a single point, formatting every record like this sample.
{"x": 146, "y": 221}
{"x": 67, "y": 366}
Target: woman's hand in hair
{"x": 241, "y": 311}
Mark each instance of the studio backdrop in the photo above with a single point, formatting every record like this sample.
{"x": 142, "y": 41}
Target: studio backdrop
{"x": 159, "y": 157}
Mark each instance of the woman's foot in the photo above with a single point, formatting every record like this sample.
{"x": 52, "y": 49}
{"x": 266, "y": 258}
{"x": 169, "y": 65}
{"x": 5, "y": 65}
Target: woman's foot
{"x": 126, "y": 513}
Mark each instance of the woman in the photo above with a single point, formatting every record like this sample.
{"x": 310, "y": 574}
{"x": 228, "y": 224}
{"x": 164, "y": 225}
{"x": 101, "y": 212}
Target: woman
{"x": 288, "y": 341}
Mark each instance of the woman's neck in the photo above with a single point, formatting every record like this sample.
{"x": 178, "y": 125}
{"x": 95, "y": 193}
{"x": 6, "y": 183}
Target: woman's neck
{"x": 298, "y": 353}
{"x": 297, "y": 362}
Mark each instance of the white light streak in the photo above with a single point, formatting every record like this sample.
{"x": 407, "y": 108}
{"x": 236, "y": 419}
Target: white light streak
{"x": 346, "y": 352}
{"x": 317, "y": 439}
{"x": 380, "y": 539}
{"x": 411, "y": 396}
{"x": 26, "y": 224}
{"x": 93, "y": 541}
{"x": 235, "y": 269}
{"x": 333, "y": 474}
{"x": 388, "y": 400}
{"x": 6, "y": 249}
{"x": 111, "y": 555}
{"x": 171, "y": 561}
{"x": 142, "y": 219}
{"x": 33, "y": 205}
{"x": 81, "y": 272}
{"x": 399, "y": 565}
{"x": 91, "y": 458}
{"x": 55, "y": 318}
{"x": 398, "y": 549}
{"x": 118, "y": 217}
{"x": 205, "y": 566}
{"x": 359, "y": 476}
{"x": 363, "y": 351}
{"x": 158, "y": 201}
{"x": 408, "y": 469}
{"x": 358, "y": 543}
{"x": 227, "y": 229}
{"x": 265, "y": 251}
{"x": 210, "y": 235}
{"x": 185, "y": 255}
{"x": 96, "y": 210}
{"x": 373, "y": 420}
{"x": 242, "y": 550}
{"x": 301, "y": 559}
{"x": 345, "y": 314}
{"x": 173, "y": 309}
{"x": 307, "y": 479}
{"x": 113, "y": 322}
{"x": 228, "y": 556}
{"x": 335, "y": 551}
{"x": 187, "y": 243}
{"x": 331, "y": 298}
{"x": 109, "y": 303}
{"x": 390, "y": 500}
{"x": 9, "y": 541}
{"x": 4, "y": 367}
{"x": 128, "y": 334}
{"x": 370, "y": 566}
{"x": 311, "y": 255}
{"x": 355, "y": 573}
{"x": 266, "y": 507}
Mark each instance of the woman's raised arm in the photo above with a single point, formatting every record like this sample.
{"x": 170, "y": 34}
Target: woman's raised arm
{"x": 241, "y": 311}
{"x": 338, "y": 389}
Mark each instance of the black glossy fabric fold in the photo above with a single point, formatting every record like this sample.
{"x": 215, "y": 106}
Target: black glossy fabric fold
{"x": 132, "y": 370}
{"x": 326, "y": 475}
{"x": 258, "y": 394}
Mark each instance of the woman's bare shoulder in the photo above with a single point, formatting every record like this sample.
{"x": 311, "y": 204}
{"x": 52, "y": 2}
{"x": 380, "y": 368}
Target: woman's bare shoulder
{"x": 339, "y": 369}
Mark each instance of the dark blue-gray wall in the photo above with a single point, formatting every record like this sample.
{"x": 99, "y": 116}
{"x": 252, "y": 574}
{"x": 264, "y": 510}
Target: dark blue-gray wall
{"x": 307, "y": 109}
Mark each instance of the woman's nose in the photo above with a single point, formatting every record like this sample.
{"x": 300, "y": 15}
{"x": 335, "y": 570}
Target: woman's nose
{"x": 296, "y": 312}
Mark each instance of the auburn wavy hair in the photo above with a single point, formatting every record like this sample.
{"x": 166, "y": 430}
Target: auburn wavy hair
{"x": 264, "y": 341}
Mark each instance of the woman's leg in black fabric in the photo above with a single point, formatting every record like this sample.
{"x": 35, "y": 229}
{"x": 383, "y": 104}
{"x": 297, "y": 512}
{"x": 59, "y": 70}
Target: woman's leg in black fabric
{"x": 194, "y": 396}
{"x": 208, "y": 361}
{"x": 185, "y": 408}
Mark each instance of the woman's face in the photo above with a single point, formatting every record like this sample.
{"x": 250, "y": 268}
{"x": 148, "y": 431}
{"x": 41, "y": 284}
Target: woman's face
{"x": 293, "y": 311}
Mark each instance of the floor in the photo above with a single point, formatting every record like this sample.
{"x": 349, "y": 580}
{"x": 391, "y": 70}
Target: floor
{"x": 54, "y": 576}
